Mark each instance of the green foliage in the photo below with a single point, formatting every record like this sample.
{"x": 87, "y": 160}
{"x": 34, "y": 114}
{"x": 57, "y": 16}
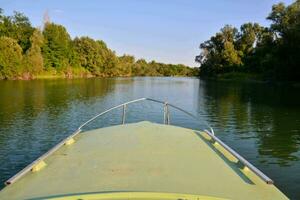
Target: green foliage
{"x": 220, "y": 54}
{"x": 34, "y": 61}
{"x": 17, "y": 27}
{"x": 26, "y": 52}
{"x": 247, "y": 38}
{"x": 110, "y": 60}
{"x": 139, "y": 67}
{"x": 95, "y": 56}
{"x": 10, "y": 58}
{"x": 286, "y": 26}
{"x": 230, "y": 55}
{"x": 57, "y": 49}
{"x": 272, "y": 52}
{"x": 89, "y": 54}
{"x": 125, "y": 65}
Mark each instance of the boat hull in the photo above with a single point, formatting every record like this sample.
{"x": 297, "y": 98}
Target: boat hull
{"x": 142, "y": 157}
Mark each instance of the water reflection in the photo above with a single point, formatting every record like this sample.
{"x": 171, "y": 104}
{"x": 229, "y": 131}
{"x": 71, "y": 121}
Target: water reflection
{"x": 269, "y": 114}
{"x": 34, "y": 115}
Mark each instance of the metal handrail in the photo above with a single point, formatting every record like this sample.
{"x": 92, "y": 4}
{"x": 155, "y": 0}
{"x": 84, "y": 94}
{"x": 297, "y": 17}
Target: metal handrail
{"x": 240, "y": 158}
{"x": 166, "y": 106}
{"x": 166, "y": 111}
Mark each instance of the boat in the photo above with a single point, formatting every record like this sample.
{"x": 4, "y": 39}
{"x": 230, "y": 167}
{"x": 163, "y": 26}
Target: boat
{"x": 142, "y": 160}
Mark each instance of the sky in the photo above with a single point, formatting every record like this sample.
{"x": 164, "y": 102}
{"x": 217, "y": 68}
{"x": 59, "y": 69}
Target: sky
{"x": 168, "y": 31}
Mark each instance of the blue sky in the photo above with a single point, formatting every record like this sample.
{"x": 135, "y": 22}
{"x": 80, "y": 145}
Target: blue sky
{"x": 168, "y": 31}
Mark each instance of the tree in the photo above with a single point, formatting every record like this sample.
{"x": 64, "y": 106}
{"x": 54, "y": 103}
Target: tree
{"x": 57, "y": 50}
{"x": 230, "y": 55}
{"x": 138, "y": 69}
{"x": 10, "y": 58}
{"x": 219, "y": 54}
{"x": 26, "y": 51}
{"x": 286, "y": 26}
{"x": 272, "y": 52}
{"x": 22, "y": 30}
{"x": 34, "y": 59}
{"x": 110, "y": 59}
{"x": 17, "y": 27}
{"x": 90, "y": 55}
{"x": 125, "y": 64}
{"x": 248, "y": 37}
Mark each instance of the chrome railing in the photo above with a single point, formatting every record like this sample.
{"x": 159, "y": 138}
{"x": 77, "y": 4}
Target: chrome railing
{"x": 166, "y": 111}
{"x": 166, "y": 120}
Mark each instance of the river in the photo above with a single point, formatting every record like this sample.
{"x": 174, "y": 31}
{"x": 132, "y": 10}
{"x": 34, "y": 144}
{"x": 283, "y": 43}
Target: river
{"x": 260, "y": 121}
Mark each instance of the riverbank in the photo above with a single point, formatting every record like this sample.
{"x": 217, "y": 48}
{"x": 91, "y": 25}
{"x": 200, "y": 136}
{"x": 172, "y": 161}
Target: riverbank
{"x": 240, "y": 76}
{"x": 60, "y": 75}
{"x": 63, "y": 75}
{"x": 46, "y": 75}
{"x": 249, "y": 77}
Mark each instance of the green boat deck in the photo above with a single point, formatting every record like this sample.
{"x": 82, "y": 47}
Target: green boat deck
{"x": 141, "y": 161}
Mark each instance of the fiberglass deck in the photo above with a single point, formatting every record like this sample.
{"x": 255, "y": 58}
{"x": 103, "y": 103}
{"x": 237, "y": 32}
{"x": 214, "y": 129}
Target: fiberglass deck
{"x": 142, "y": 157}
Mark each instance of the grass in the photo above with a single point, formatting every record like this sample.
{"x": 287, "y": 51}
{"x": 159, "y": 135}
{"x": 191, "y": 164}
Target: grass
{"x": 65, "y": 73}
{"x": 239, "y": 76}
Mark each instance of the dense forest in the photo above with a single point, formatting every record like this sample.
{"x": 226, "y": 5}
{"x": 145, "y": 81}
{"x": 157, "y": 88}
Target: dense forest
{"x": 271, "y": 53}
{"x": 27, "y": 52}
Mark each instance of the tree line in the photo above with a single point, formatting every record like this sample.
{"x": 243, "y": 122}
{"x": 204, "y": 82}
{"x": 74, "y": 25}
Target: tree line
{"x": 271, "y": 52}
{"x": 27, "y": 52}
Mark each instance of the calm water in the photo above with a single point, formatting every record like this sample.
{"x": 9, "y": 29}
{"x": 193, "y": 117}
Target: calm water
{"x": 259, "y": 121}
